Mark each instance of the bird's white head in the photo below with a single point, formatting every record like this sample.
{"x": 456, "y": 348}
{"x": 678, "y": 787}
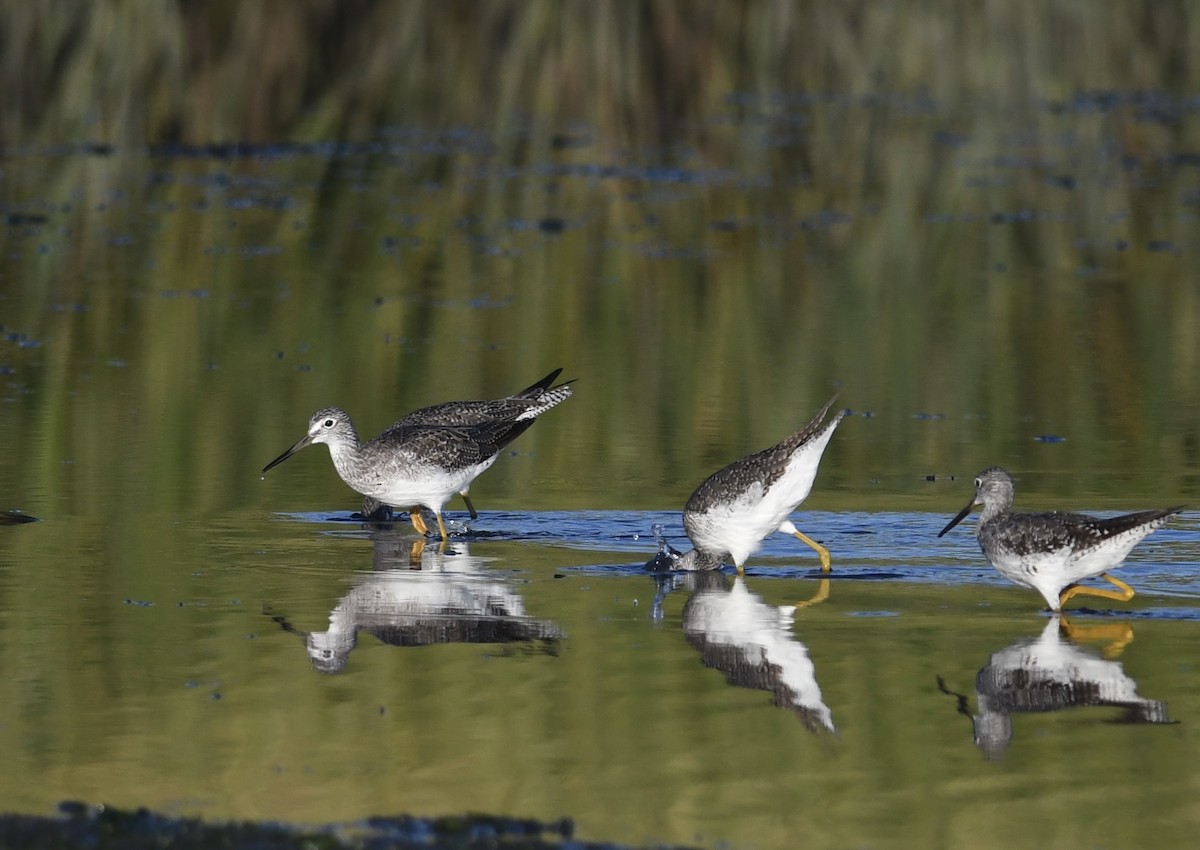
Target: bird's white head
{"x": 329, "y": 425}
{"x": 993, "y": 490}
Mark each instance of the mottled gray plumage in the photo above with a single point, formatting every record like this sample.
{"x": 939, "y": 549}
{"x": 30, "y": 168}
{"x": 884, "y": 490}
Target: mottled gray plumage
{"x": 447, "y": 447}
{"x": 1032, "y": 534}
{"x": 483, "y": 411}
{"x": 733, "y": 509}
{"x": 475, "y": 412}
{"x": 764, "y": 467}
{"x": 420, "y": 462}
{"x": 1051, "y": 552}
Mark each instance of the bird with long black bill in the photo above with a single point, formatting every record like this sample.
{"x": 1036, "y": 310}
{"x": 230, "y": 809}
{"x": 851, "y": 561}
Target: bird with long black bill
{"x": 1052, "y": 552}
{"x": 422, "y": 460}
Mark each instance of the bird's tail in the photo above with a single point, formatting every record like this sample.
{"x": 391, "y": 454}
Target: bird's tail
{"x": 545, "y": 401}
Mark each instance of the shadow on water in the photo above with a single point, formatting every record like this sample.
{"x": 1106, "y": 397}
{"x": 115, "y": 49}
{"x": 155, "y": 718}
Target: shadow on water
{"x": 1052, "y": 673}
{"x": 418, "y": 595}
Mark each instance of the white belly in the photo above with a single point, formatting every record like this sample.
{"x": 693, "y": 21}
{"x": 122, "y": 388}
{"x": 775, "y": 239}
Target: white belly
{"x": 429, "y": 486}
{"x": 737, "y": 528}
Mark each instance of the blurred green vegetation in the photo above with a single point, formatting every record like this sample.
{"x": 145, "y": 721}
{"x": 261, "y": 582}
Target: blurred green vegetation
{"x": 127, "y": 73}
{"x": 711, "y": 216}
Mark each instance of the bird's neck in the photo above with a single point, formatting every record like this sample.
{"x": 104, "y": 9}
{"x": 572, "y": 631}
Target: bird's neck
{"x": 991, "y": 510}
{"x": 346, "y": 454}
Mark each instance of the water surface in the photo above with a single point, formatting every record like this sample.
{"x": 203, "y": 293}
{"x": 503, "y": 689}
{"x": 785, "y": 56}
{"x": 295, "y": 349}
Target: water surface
{"x": 292, "y": 666}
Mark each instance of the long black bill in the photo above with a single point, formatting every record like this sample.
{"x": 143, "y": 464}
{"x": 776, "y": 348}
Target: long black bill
{"x": 961, "y": 516}
{"x": 304, "y": 441}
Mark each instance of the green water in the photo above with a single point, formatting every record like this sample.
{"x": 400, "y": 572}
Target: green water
{"x": 173, "y": 686}
{"x": 979, "y": 231}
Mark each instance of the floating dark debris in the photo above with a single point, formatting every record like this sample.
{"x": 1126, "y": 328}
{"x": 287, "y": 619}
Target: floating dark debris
{"x": 21, "y": 219}
{"x": 564, "y": 141}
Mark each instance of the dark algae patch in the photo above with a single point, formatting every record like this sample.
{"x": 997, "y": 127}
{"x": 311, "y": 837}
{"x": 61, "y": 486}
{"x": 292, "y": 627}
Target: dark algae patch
{"x": 78, "y": 825}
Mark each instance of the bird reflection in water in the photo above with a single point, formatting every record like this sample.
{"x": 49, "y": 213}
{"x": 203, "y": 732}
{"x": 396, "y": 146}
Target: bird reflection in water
{"x": 750, "y": 641}
{"x": 450, "y": 598}
{"x": 1050, "y": 673}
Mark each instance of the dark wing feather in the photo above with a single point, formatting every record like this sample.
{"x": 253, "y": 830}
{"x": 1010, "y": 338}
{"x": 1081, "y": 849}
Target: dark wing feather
{"x": 1095, "y": 531}
{"x": 447, "y": 446}
{"x": 536, "y": 389}
{"x": 458, "y": 434}
{"x": 476, "y": 412}
{"x": 453, "y": 446}
{"x": 1034, "y": 533}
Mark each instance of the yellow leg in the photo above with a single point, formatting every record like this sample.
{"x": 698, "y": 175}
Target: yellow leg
{"x": 1115, "y": 636}
{"x": 418, "y": 521}
{"x": 414, "y": 557}
{"x": 470, "y": 507}
{"x": 1123, "y": 593}
{"x": 820, "y": 596}
{"x": 821, "y": 551}
{"x": 441, "y": 526}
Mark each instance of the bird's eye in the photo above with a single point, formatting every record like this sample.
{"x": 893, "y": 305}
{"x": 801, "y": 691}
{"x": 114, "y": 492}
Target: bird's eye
{"x": 328, "y": 423}
{"x": 978, "y": 482}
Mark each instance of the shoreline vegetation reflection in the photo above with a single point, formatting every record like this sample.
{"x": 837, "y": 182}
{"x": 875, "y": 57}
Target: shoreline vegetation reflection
{"x": 742, "y": 274}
